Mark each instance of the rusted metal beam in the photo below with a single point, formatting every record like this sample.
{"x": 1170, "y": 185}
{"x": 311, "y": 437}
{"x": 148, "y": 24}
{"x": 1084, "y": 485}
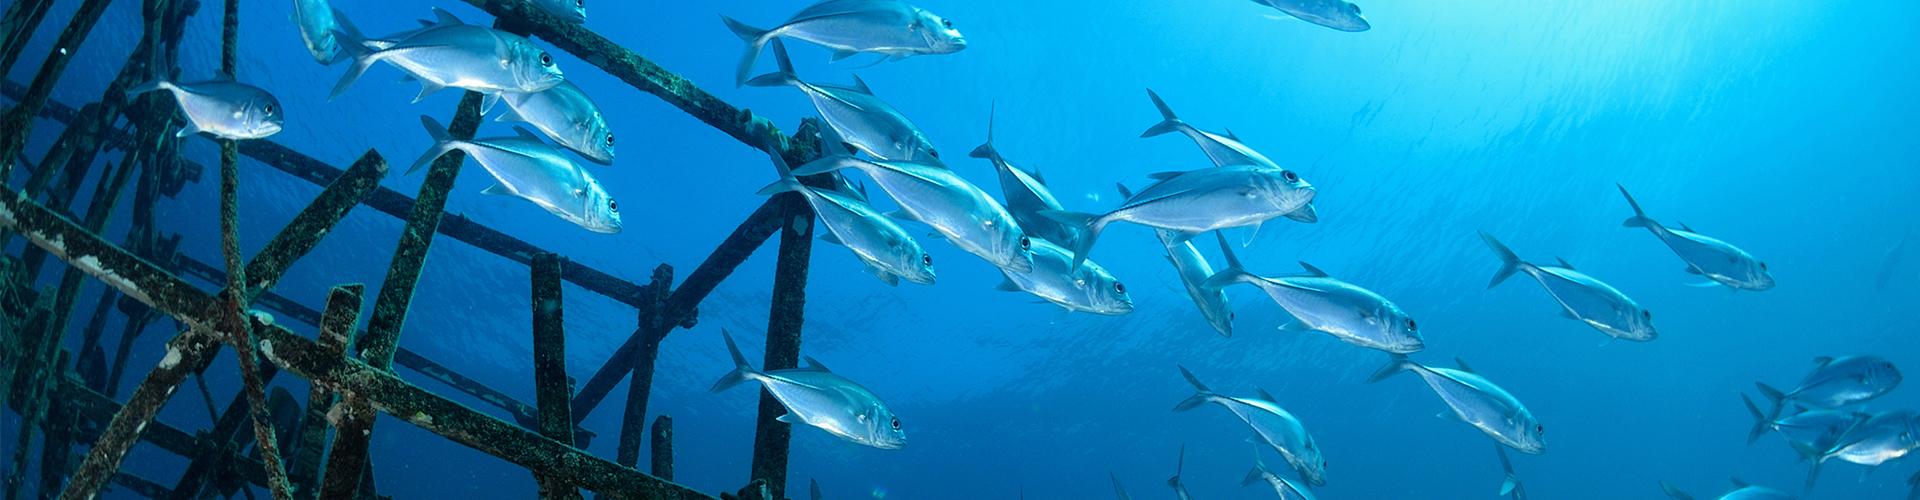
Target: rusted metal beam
{"x": 21, "y": 19}
{"x": 551, "y": 388}
{"x": 663, "y": 447}
{"x": 784, "y": 320}
{"x": 640, "y": 388}
{"x": 341, "y": 319}
{"x": 382, "y": 339}
{"x": 96, "y": 407}
{"x": 19, "y": 120}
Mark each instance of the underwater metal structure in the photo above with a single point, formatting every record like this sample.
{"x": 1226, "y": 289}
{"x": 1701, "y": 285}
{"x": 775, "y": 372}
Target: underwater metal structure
{"x": 73, "y": 400}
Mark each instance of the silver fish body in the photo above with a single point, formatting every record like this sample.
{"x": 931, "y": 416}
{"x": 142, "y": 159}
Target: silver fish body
{"x": 223, "y": 108}
{"x": 1027, "y": 196}
{"x": 1838, "y": 382}
{"x": 451, "y": 53}
{"x": 565, "y": 114}
{"x": 873, "y": 237}
{"x": 1741, "y": 491}
{"x": 573, "y": 11}
{"x": 860, "y": 119}
{"x": 1271, "y": 424}
{"x": 1809, "y": 432}
{"x": 1088, "y": 288}
{"x": 1320, "y": 303}
{"x": 1711, "y": 258}
{"x": 1478, "y": 402}
{"x": 819, "y": 398}
{"x": 318, "y": 21}
{"x": 1198, "y": 201}
{"x": 1581, "y": 297}
{"x": 965, "y": 215}
{"x": 1334, "y": 14}
{"x": 529, "y": 169}
{"x": 1882, "y": 438}
{"x": 1194, "y": 270}
{"x": 887, "y": 27}
{"x": 1224, "y": 150}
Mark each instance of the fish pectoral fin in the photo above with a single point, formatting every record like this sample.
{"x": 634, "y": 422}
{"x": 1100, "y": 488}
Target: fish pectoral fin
{"x": 787, "y": 419}
{"x": 499, "y": 190}
{"x": 427, "y": 88}
{"x": 1007, "y": 285}
{"x": 830, "y": 237}
{"x": 1564, "y": 313}
{"x": 1690, "y": 270}
{"x": 187, "y": 129}
{"x": 903, "y": 215}
{"x": 1704, "y": 284}
{"x": 840, "y": 55}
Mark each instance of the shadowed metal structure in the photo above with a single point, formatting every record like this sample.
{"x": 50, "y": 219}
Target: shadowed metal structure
{"x": 72, "y": 401}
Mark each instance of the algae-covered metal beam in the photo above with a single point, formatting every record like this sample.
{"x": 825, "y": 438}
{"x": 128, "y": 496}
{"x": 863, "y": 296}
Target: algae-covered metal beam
{"x": 641, "y": 387}
{"x": 663, "y": 447}
{"x": 17, "y": 26}
{"x": 336, "y": 328}
{"x": 19, "y": 120}
{"x": 390, "y": 307}
{"x": 784, "y": 321}
{"x": 551, "y": 388}
{"x": 96, "y": 407}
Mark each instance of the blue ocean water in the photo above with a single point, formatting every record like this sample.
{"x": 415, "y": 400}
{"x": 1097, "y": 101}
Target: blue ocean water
{"x": 1788, "y": 129}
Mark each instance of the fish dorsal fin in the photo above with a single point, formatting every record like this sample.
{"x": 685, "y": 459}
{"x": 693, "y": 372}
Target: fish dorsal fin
{"x": 839, "y": 55}
{"x": 1266, "y": 396}
{"x": 1161, "y": 176}
{"x": 1685, "y": 227}
{"x": 1315, "y": 271}
{"x": 1231, "y": 136}
{"x": 1124, "y": 192}
{"x": 1035, "y": 172}
{"x": 1822, "y": 361}
{"x": 525, "y": 134}
{"x": 1738, "y": 483}
{"x": 1564, "y": 263}
{"x": 441, "y": 16}
{"x": 861, "y": 85}
{"x": 1463, "y": 365}
{"x": 814, "y": 364}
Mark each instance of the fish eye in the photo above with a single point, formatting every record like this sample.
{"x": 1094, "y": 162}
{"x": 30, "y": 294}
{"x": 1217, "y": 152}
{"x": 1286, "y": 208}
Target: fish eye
{"x": 1232, "y": 316}
{"x": 613, "y": 206}
{"x": 1763, "y": 266}
{"x": 1539, "y": 429}
{"x": 934, "y": 153}
{"x": 1026, "y": 244}
{"x": 1289, "y": 176}
{"x": 270, "y": 111}
{"x": 947, "y": 23}
{"x": 545, "y": 59}
{"x": 1412, "y": 326}
{"x": 926, "y": 259}
{"x": 896, "y": 423}
{"x": 580, "y": 3}
{"x": 1119, "y": 287}
{"x": 609, "y": 140}
{"x": 1646, "y": 314}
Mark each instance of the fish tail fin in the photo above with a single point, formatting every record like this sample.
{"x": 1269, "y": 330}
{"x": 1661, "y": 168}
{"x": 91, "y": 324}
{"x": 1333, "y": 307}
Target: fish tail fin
{"x": 1396, "y": 364}
{"x": 755, "y": 38}
{"x": 1092, "y": 225}
{"x": 813, "y": 489}
{"x": 986, "y": 151}
{"x": 1674, "y": 491}
{"x": 362, "y": 59}
{"x": 1813, "y": 474}
{"x": 1257, "y": 474}
{"x": 826, "y": 164}
{"x": 783, "y": 77}
{"x": 1779, "y": 399}
{"x": 352, "y": 43}
{"x": 149, "y": 86}
{"x": 1178, "y": 468}
{"x": 1512, "y": 481}
{"x": 1234, "y": 272}
{"x": 1639, "y": 218}
{"x": 442, "y": 143}
{"x": 787, "y": 181}
{"x": 1759, "y": 420}
{"x": 742, "y": 371}
{"x": 1509, "y": 262}
{"x": 1168, "y": 121}
{"x": 1201, "y": 394}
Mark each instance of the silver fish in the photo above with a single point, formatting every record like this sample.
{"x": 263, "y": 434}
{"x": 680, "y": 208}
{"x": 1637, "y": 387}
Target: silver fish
{"x": 529, "y": 169}
{"x": 1741, "y": 491}
{"x": 1271, "y": 424}
{"x": 1836, "y": 382}
{"x": 1808, "y": 432}
{"x": 1581, "y": 297}
{"x": 1198, "y": 201}
{"x": 962, "y": 213}
{"x": 225, "y": 108}
{"x": 318, "y": 21}
{"x": 1119, "y": 492}
{"x": 1088, "y": 288}
{"x": 1321, "y": 303}
{"x": 1224, "y": 150}
{"x": 1180, "y": 488}
{"x": 820, "y": 398}
{"x": 567, "y": 115}
{"x": 1285, "y": 488}
{"x": 1880, "y": 439}
{"x": 877, "y": 240}
{"x": 1716, "y": 260}
{"x": 1510, "y": 487}
{"x": 573, "y": 11}
{"x": 1027, "y": 195}
{"x": 1478, "y": 402}
{"x": 1334, "y": 14}
{"x": 862, "y": 120}
{"x": 451, "y": 53}
{"x": 1194, "y": 270}
{"x": 887, "y": 27}
{"x": 813, "y": 489}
